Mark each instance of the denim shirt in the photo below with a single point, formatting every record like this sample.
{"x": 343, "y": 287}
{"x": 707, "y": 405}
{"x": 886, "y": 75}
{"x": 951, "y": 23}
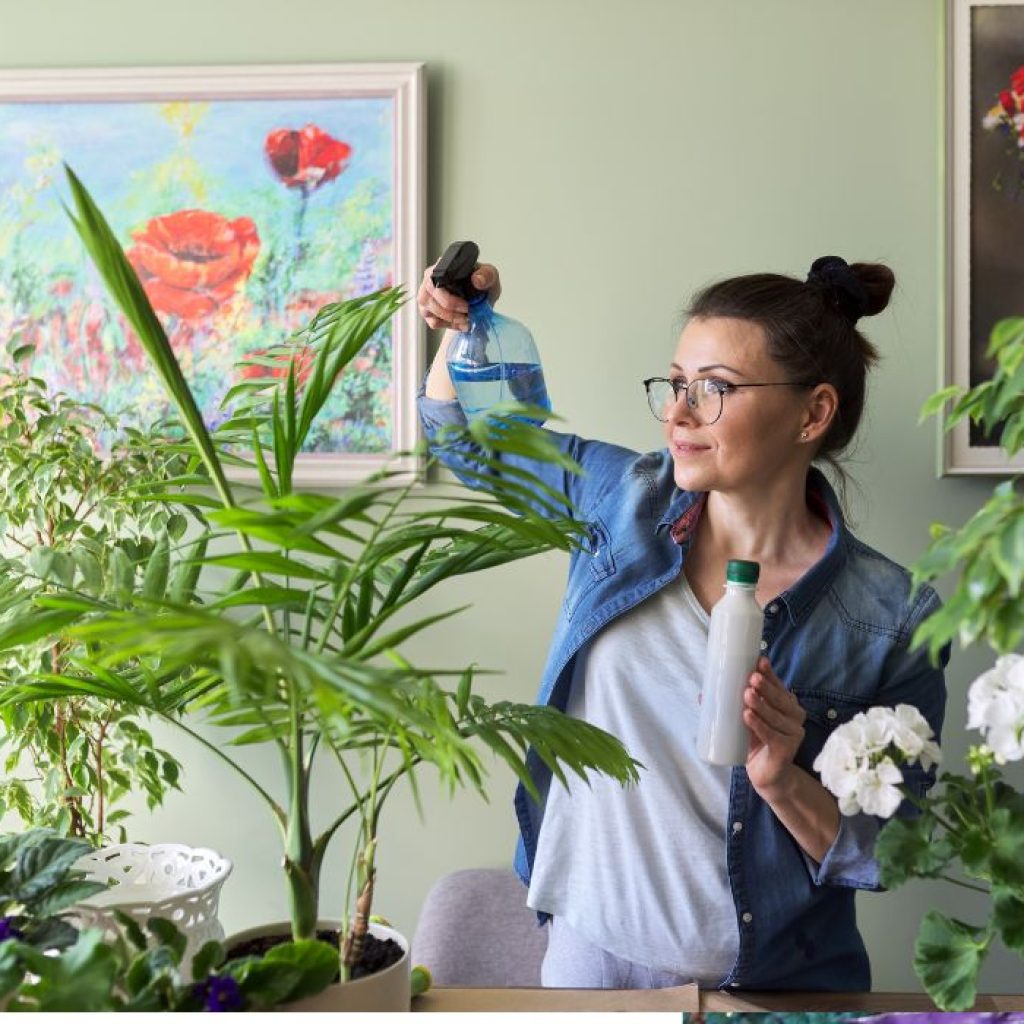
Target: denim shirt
{"x": 838, "y": 639}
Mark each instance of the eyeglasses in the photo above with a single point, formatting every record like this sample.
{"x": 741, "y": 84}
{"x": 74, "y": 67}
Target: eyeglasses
{"x": 705, "y": 396}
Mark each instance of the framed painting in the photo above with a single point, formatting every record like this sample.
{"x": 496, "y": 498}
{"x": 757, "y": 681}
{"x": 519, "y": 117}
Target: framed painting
{"x": 985, "y": 211}
{"x": 246, "y": 198}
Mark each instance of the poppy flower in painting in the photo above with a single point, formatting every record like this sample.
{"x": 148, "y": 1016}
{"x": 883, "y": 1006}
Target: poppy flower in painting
{"x": 303, "y": 359}
{"x": 192, "y": 261}
{"x": 308, "y": 158}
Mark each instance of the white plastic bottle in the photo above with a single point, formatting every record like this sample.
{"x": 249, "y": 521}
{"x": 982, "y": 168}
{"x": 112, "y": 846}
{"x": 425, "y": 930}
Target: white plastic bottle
{"x": 734, "y": 643}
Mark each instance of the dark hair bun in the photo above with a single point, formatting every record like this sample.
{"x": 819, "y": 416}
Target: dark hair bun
{"x": 878, "y": 282}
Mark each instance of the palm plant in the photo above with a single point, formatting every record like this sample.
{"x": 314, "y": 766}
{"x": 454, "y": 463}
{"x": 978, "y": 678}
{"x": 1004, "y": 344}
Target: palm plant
{"x": 300, "y": 647}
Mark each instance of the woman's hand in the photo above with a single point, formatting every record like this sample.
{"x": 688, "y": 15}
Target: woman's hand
{"x": 776, "y": 723}
{"x": 440, "y": 309}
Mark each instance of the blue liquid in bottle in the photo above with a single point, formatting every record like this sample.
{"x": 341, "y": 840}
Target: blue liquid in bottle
{"x": 496, "y": 360}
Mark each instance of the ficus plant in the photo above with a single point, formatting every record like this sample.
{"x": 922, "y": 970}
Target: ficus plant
{"x": 300, "y": 648}
{"x": 969, "y": 830}
{"x": 988, "y": 550}
{"x": 67, "y": 521}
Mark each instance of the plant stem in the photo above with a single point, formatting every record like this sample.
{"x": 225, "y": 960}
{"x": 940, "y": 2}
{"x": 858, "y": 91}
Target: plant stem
{"x": 100, "y": 786}
{"x": 301, "y": 868}
{"x": 965, "y": 885}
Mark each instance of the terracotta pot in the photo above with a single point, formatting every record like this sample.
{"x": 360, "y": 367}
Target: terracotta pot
{"x": 387, "y": 991}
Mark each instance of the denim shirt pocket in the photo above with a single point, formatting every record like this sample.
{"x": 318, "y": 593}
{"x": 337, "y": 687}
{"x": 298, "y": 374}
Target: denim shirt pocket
{"x": 824, "y": 712}
{"x": 593, "y": 563}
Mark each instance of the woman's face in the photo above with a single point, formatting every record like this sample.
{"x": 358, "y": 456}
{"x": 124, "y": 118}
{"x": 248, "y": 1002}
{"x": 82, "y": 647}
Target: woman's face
{"x": 758, "y": 433}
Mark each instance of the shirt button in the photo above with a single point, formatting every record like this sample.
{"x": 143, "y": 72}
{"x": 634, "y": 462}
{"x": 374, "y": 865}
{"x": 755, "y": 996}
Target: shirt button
{"x": 772, "y": 609}
{"x": 737, "y": 826}
{"x": 748, "y": 917}
{"x": 831, "y": 713}
{"x": 764, "y": 645}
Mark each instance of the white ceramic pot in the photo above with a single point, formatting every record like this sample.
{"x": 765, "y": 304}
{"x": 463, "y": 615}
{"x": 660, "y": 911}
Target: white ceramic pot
{"x": 179, "y": 883}
{"x": 387, "y": 991}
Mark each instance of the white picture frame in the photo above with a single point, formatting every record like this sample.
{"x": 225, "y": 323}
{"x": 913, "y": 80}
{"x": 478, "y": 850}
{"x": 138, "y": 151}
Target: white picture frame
{"x": 395, "y": 92}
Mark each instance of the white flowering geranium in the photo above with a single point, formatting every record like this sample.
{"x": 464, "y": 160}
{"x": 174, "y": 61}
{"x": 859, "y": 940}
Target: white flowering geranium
{"x": 973, "y": 823}
{"x": 859, "y": 763}
{"x": 995, "y": 706}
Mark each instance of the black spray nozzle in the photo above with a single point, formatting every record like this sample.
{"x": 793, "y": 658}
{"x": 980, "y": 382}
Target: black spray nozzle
{"x": 455, "y": 268}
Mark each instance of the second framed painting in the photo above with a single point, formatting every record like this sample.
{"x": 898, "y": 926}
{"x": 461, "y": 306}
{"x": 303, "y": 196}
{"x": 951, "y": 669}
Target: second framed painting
{"x": 985, "y": 222}
{"x": 246, "y": 198}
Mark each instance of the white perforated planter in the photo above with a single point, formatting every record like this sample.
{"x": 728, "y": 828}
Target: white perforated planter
{"x": 168, "y": 880}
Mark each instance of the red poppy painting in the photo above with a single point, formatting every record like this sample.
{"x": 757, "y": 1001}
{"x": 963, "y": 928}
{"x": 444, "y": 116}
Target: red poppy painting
{"x": 245, "y": 202}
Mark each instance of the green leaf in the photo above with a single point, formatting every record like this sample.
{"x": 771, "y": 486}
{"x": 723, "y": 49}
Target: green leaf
{"x": 316, "y": 962}
{"x": 122, "y": 573}
{"x": 40, "y": 561}
{"x": 154, "y": 582}
{"x": 936, "y": 401}
{"x": 177, "y": 524}
{"x": 63, "y": 568}
{"x": 34, "y": 627}
{"x": 1008, "y": 917}
{"x": 186, "y": 574}
{"x": 42, "y": 865}
{"x": 132, "y": 930}
{"x": 207, "y": 960}
{"x": 1006, "y": 858}
{"x": 463, "y": 692}
{"x": 168, "y": 935}
{"x": 906, "y": 848}
{"x": 89, "y": 566}
{"x": 947, "y": 957}
{"x": 80, "y": 979}
{"x": 123, "y": 284}
{"x": 269, "y": 562}
{"x": 64, "y": 895}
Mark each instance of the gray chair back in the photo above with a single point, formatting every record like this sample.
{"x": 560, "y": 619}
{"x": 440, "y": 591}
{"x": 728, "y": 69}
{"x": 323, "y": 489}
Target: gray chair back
{"x": 475, "y": 930}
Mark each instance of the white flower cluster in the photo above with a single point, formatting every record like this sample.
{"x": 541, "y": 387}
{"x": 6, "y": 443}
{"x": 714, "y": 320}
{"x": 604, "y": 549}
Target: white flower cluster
{"x": 995, "y": 706}
{"x": 856, "y": 764}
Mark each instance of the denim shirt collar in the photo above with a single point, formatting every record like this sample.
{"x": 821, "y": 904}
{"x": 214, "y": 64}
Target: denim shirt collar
{"x": 685, "y": 509}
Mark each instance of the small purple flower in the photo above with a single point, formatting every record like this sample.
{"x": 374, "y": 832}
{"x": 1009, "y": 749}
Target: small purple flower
{"x": 8, "y": 931}
{"x": 221, "y": 995}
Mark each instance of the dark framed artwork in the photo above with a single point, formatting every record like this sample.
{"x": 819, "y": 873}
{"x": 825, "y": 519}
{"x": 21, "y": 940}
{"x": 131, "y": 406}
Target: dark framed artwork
{"x": 985, "y": 189}
{"x": 246, "y": 197}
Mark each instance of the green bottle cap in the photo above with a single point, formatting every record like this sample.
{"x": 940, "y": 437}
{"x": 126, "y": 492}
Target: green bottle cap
{"x": 739, "y": 571}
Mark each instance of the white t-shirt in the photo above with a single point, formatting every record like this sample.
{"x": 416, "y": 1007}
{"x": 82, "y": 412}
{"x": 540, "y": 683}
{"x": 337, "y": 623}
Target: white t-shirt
{"x": 641, "y": 871}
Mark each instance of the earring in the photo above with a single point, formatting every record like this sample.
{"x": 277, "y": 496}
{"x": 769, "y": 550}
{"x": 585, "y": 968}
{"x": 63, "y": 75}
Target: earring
{"x": 803, "y": 435}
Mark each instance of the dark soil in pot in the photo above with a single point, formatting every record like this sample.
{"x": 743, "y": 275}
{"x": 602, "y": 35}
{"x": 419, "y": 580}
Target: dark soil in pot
{"x": 378, "y": 954}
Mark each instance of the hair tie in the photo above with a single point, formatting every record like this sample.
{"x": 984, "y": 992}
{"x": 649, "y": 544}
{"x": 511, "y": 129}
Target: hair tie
{"x": 835, "y": 276}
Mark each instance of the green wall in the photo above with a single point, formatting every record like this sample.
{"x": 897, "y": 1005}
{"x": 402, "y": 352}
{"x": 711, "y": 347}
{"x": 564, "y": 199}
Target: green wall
{"x": 610, "y": 157}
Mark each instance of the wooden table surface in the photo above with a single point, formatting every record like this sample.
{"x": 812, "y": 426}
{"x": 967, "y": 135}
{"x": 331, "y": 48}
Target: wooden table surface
{"x": 684, "y": 998}
{"x": 505, "y": 1000}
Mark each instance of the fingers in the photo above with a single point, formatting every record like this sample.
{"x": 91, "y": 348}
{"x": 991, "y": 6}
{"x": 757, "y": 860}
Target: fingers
{"x": 762, "y": 732}
{"x": 762, "y": 700}
{"x": 441, "y": 309}
{"x": 769, "y": 686}
{"x": 485, "y": 277}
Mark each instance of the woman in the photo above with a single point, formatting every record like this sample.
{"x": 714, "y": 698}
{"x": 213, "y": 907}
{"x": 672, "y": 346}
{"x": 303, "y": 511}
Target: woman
{"x": 746, "y": 876}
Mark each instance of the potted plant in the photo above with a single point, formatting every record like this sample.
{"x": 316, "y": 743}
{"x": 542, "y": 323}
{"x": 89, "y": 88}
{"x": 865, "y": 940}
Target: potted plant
{"x": 972, "y": 823}
{"x": 301, "y": 648}
{"x": 66, "y": 521}
{"x": 48, "y": 964}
